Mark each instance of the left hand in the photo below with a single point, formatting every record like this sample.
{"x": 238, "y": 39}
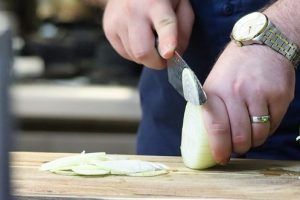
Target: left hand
{"x": 246, "y": 81}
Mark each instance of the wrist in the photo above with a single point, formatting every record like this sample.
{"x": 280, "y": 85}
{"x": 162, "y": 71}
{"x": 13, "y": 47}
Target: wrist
{"x": 257, "y": 28}
{"x": 260, "y": 53}
{"x": 285, "y": 15}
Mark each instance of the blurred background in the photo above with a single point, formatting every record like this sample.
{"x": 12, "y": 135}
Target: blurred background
{"x": 71, "y": 91}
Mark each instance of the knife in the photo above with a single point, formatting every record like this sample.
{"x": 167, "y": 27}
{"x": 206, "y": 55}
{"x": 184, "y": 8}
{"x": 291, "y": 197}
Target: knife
{"x": 190, "y": 88}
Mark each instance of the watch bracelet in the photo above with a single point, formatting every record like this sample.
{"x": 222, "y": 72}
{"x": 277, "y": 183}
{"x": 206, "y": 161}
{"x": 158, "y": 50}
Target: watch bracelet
{"x": 280, "y": 43}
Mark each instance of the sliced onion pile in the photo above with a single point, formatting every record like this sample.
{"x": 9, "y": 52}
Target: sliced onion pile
{"x": 100, "y": 164}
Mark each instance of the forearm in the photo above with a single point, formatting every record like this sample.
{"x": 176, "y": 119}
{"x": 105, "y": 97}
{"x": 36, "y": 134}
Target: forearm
{"x": 286, "y": 16}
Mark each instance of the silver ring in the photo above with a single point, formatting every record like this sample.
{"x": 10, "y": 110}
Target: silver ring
{"x": 260, "y": 119}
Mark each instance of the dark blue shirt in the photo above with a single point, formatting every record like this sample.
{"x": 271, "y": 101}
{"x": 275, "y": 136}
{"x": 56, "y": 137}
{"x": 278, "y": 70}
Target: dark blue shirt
{"x": 160, "y": 128}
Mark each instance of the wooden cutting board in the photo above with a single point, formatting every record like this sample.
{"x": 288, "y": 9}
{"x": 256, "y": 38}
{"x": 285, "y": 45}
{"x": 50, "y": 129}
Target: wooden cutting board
{"x": 240, "y": 179}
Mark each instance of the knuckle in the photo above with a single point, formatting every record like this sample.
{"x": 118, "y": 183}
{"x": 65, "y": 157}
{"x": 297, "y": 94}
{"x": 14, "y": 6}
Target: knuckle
{"x": 288, "y": 93}
{"x": 259, "y": 137}
{"x": 105, "y": 23}
{"x": 218, "y": 128}
{"x": 134, "y": 8}
{"x": 237, "y": 88}
{"x": 109, "y": 28}
{"x": 141, "y": 55}
{"x": 282, "y": 94}
{"x": 240, "y": 144}
{"x": 108, "y": 31}
{"x": 153, "y": 3}
{"x": 291, "y": 96}
{"x": 281, "y": 90}
{"x": 165, "y": 22}
{"x": 258, "y": 91}
{"x": 130, "y": 7}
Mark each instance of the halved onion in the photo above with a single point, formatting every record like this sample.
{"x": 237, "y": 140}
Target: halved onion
{"x": 195, "y": 149}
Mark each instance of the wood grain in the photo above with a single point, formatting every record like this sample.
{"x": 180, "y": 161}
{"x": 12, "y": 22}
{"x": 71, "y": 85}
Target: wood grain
{"x": 240, "y": 179}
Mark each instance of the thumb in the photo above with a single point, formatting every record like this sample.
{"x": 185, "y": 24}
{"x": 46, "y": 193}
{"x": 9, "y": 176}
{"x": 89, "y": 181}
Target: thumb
{"x": 217, "y": 124}
{"x": 164, "y": 20}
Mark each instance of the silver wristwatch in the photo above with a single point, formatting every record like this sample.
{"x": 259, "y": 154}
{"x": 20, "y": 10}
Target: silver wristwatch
{"x": 256, "y": 28}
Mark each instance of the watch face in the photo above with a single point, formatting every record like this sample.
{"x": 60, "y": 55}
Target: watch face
{"x": 249, "y": 26}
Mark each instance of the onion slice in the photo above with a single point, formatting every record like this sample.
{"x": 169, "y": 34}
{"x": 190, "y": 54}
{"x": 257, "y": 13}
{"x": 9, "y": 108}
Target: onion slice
{"x": 89, "y": 170}
{"x": 189, "y": 85}
{"x": 99, "y": 164}
{"x": 149, "y": 173}
{"x": 67, "y": 163}
{"x": 121, "y": 167}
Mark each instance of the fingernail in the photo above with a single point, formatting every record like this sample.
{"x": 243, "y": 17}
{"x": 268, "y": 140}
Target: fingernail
{"x": 224, "y": 162}
{"x": 166, "y": 51}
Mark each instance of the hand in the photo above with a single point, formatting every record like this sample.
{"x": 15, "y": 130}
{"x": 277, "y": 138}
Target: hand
{"x": 247, "y": 81}
{"x": 130, "y": 26}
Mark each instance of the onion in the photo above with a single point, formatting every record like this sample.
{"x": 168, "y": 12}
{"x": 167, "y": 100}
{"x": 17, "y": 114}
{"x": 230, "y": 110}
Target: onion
{"x": 195, "y": 149}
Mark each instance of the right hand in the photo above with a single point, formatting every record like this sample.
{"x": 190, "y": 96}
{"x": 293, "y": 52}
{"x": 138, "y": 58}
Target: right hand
{"x": 130, "y": 26}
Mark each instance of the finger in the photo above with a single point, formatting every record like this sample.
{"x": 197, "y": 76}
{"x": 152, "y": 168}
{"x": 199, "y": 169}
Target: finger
{"x": 185, "y": 18}
{"x": 112, "y": 32}
{"x": 217, "y": 124}
{"x": 240, "y": 125}
{"x": 279, "y": 102}
{"x": 164, "y": 21}
{"x": 117, "y": 44}
{"x": 257, "y": 107}
{"x": 142, "y": 44}
{"x": 124, "y": 37}
{"x": 277, "y": 113}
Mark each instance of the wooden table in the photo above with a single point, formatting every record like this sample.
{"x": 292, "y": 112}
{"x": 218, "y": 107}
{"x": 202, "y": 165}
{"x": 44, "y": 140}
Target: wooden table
{"x": 240, "y": 179}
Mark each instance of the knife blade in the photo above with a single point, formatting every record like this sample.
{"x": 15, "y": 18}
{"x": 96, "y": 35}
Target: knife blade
{"x": 176, "y": 66}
